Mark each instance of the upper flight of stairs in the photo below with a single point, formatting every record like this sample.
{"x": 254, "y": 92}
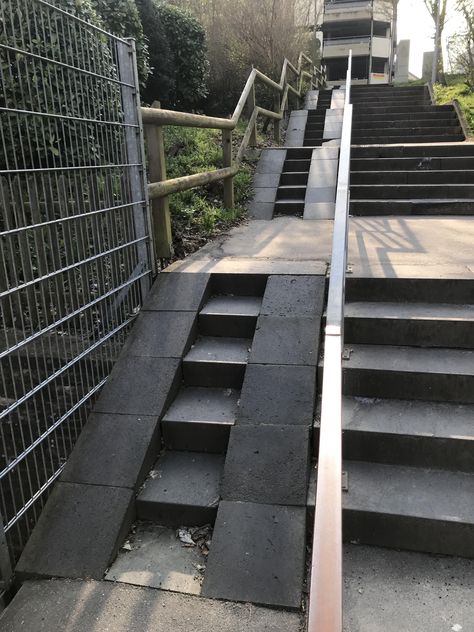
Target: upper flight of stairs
{"x": 390, "y": 115}
{"x": 316, "y": 118}
{"x": 291, "y": 191}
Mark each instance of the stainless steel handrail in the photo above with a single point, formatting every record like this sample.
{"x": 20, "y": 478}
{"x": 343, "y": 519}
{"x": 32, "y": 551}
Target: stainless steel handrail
{"x": 325, "y": 599}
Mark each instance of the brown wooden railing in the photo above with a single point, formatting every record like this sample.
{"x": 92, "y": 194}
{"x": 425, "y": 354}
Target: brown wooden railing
{"x": 155, "y": 118}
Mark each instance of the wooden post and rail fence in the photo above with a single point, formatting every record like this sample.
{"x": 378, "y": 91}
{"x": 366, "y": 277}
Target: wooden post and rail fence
{"x": 154, "y": 119}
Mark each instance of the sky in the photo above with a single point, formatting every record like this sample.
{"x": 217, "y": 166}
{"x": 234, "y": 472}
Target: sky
{"x": 415, "y": 24}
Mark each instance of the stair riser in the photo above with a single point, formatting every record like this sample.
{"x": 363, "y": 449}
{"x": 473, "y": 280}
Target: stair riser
{"x": 394, "y": 140}
{"x": 397, "y": 109}
{"x": 408, "y": 192}
{"x": 404, "y": 385}
{"x": 416, "y": 333}
{"x": 228, "y": 325}
{"x": 406, "y": 116}
{"x": 378, "y": 208}
{"x": 214, "y": 374}
{"x": 359, "y": 132}
{"x": 170, "y": 515}
{"x": 299, "y": 153}
{"x": 239, "y": 284}
{"x": 297, "y": 165}
{"x": 413, "y": 534}
{"x": 404, "y": 164}
{"x": 424, "y": 124}
{"x": 313, "y": 143}
{"x": 297, "y": 208}
{"x": 454, "y": 291}
{"x": 456, "y": 152}
{"x": 195, "y": 436}
{"x": 383, "y": 91}
{"x": 284, "y": 193}
{"x": 294, "y": 178}
{"x": 413, "y": 177}
{"x": 375, "y": 447}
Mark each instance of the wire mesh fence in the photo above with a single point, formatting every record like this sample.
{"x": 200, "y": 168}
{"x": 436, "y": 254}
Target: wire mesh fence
{"x": 74, "y": 239}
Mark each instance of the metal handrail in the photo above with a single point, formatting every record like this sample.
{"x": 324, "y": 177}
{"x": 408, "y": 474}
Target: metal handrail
{"x": 325, "y": 600}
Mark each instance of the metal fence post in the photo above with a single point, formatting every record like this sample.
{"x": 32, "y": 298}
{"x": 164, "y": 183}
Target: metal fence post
{"x": 160, "y": 209}
{"x": 127, "y": 67}
{"x": 227, "y": 156}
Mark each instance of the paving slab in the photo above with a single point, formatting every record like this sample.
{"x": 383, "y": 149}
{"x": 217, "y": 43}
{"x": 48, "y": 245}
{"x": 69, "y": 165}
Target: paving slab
{"x": 155, "y": 557}
{"x": 89, "y": 606}
{"x": 278, "y": 394}
{"x": 132, "y": 442}
{"x": 162, "y": 334}
{"x": 286, "y": 340}
{"x": 172, "y": 292}
{"x": 396, "y": 591}
{"x": 78, "y": 533}
{"x": 257, "y": 554}
{"x": 140, "y": 386}
{"x": 183, "y": 489}
{"x": 289, "y": 295}
{"x": 271, "y": 161}
{"x": 319, "y": 210}
{"x": 267, "y": 464}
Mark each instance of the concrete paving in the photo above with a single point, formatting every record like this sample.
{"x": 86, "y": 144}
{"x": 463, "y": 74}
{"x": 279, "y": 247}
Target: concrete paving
{"x": 88, "y": 606}
{"x": 396, "y": 591}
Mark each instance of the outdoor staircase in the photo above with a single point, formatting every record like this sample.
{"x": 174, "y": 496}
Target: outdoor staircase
{"x": 316, "y": 119}
{"x": 390, "y": 115}
{"x": 291, "y": 191}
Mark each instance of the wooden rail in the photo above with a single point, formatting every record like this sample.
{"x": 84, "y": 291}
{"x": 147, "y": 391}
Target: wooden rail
{"x": 155, "y": 118}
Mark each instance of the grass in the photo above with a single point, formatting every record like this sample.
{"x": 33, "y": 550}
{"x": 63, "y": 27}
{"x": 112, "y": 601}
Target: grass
{"x": 198, "y": 215}
{"x": 463, "y": 93}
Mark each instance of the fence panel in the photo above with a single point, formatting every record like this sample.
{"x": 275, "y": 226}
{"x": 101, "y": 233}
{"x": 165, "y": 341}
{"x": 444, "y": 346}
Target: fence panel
{"x": 74, "y": 239}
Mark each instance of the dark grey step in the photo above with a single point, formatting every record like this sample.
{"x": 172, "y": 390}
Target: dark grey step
{"x": 418, "y": 176}
{"x": 238, "y": 284}
{"x": 294, "y": 177}
{"x": 298, "y": 153}
{"x": 289, "y": 207}
{"x": 216, "y": 361}
{"x": 370, "y": 208}
{"x": 417, "y": 324}
{"x": 376, "y": 131}
{"x": 392, "y": 140}
{"x": 388, "y": 110}
{"x": 291, "y": 192}
{"x": 410, "y": 191}
{"x": 229, "y": 315}
{"x": 415, "y": 163}
{"x": 407, "y": 116}
{"x": 200, "y": 419}
{"x": 409, "y": 508}
{"x": 425, "y": 124}
{"x": 400, "y": 372}
{"x": 454, "y": 291}
{"x": 403, "y": 432}
{"x": 183, "y": 489}
{"x": 297, "y": 165}
{"x": 313, "y": 142}
{"x": 457, "y": 150}
{"x": 388, "y": 102}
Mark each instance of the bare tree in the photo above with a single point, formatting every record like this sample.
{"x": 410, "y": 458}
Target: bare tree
{"x": 437, "y": 10}
{"x": 461, "y": 45}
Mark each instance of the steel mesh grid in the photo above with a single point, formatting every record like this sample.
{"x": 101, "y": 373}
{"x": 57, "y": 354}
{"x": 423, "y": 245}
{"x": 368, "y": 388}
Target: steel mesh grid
{"x": 74, "y": 239}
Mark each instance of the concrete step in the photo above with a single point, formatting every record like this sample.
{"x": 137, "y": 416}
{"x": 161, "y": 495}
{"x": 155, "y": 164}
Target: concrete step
{"x": 289, "y": 207}
{"x": 455, "y": 150}
{"x": 200, "y": 419}
{"x": 406, "y": 290}
{"x": 388, "y": 89}
{"x": 316, "y": 142}
{"x": 403, "y": 432}
{"x": 298, "y": 153}
{"x": 216, "y": 361}
{"x": 420, "y": 163}
{"x": 291, "y": 192}
{"x": 393, "y": 140}
{"x": 297, "y": 165}
{"x": 183, "y": 489}
{"x": 238, "y": 284}
{"x": 425, "y": 124}
{"x": 372, "y": 208}
{"x": 454, "y": 291}
{"x": 375, "y": 131}
{"x": 411, "y": 191}
{"x": 417, "y": 324}
{"x": 395, "y": 109}
{"x": 401, "y": 372}
{"x": 407, "y": 116}
{"x": 294, "y": 177}
{"x": 360, "y": 101}
{"x": 409, "y": 508}
{"x": 418, "y": 176}
{"x": 229, "y": 315}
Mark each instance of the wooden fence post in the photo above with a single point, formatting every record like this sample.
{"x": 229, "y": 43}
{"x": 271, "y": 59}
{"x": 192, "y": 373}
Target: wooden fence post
{"x": 227, "y": 156}
{"x": 251, "y": 107}
{"x": 160, "y": 210}
{"x": 276, "y": 122}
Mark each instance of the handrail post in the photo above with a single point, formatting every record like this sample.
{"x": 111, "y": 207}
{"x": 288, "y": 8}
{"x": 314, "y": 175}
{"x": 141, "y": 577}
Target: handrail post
{"x": 251, "y": 102}
{"x": 228, "y": 159}
{"x": 160, "y": 209}
{"x": 277, "y": 122}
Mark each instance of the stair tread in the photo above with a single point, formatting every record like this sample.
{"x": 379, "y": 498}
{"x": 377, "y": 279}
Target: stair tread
{"x": 410, "y": 359}
{"x": 418, "y": 311}
{"x": 204, "y": 405}
{"x": 409, "y": 417}
{"x": 230, "y": 305}
{"x": 410, "y": 491}
{"x": 219, "y": 350}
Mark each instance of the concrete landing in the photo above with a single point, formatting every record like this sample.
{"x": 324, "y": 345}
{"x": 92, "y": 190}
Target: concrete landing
{"x": 88, "y": 606}
{"x": 423, "y": 247}
{"x": 395, "y": 591}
